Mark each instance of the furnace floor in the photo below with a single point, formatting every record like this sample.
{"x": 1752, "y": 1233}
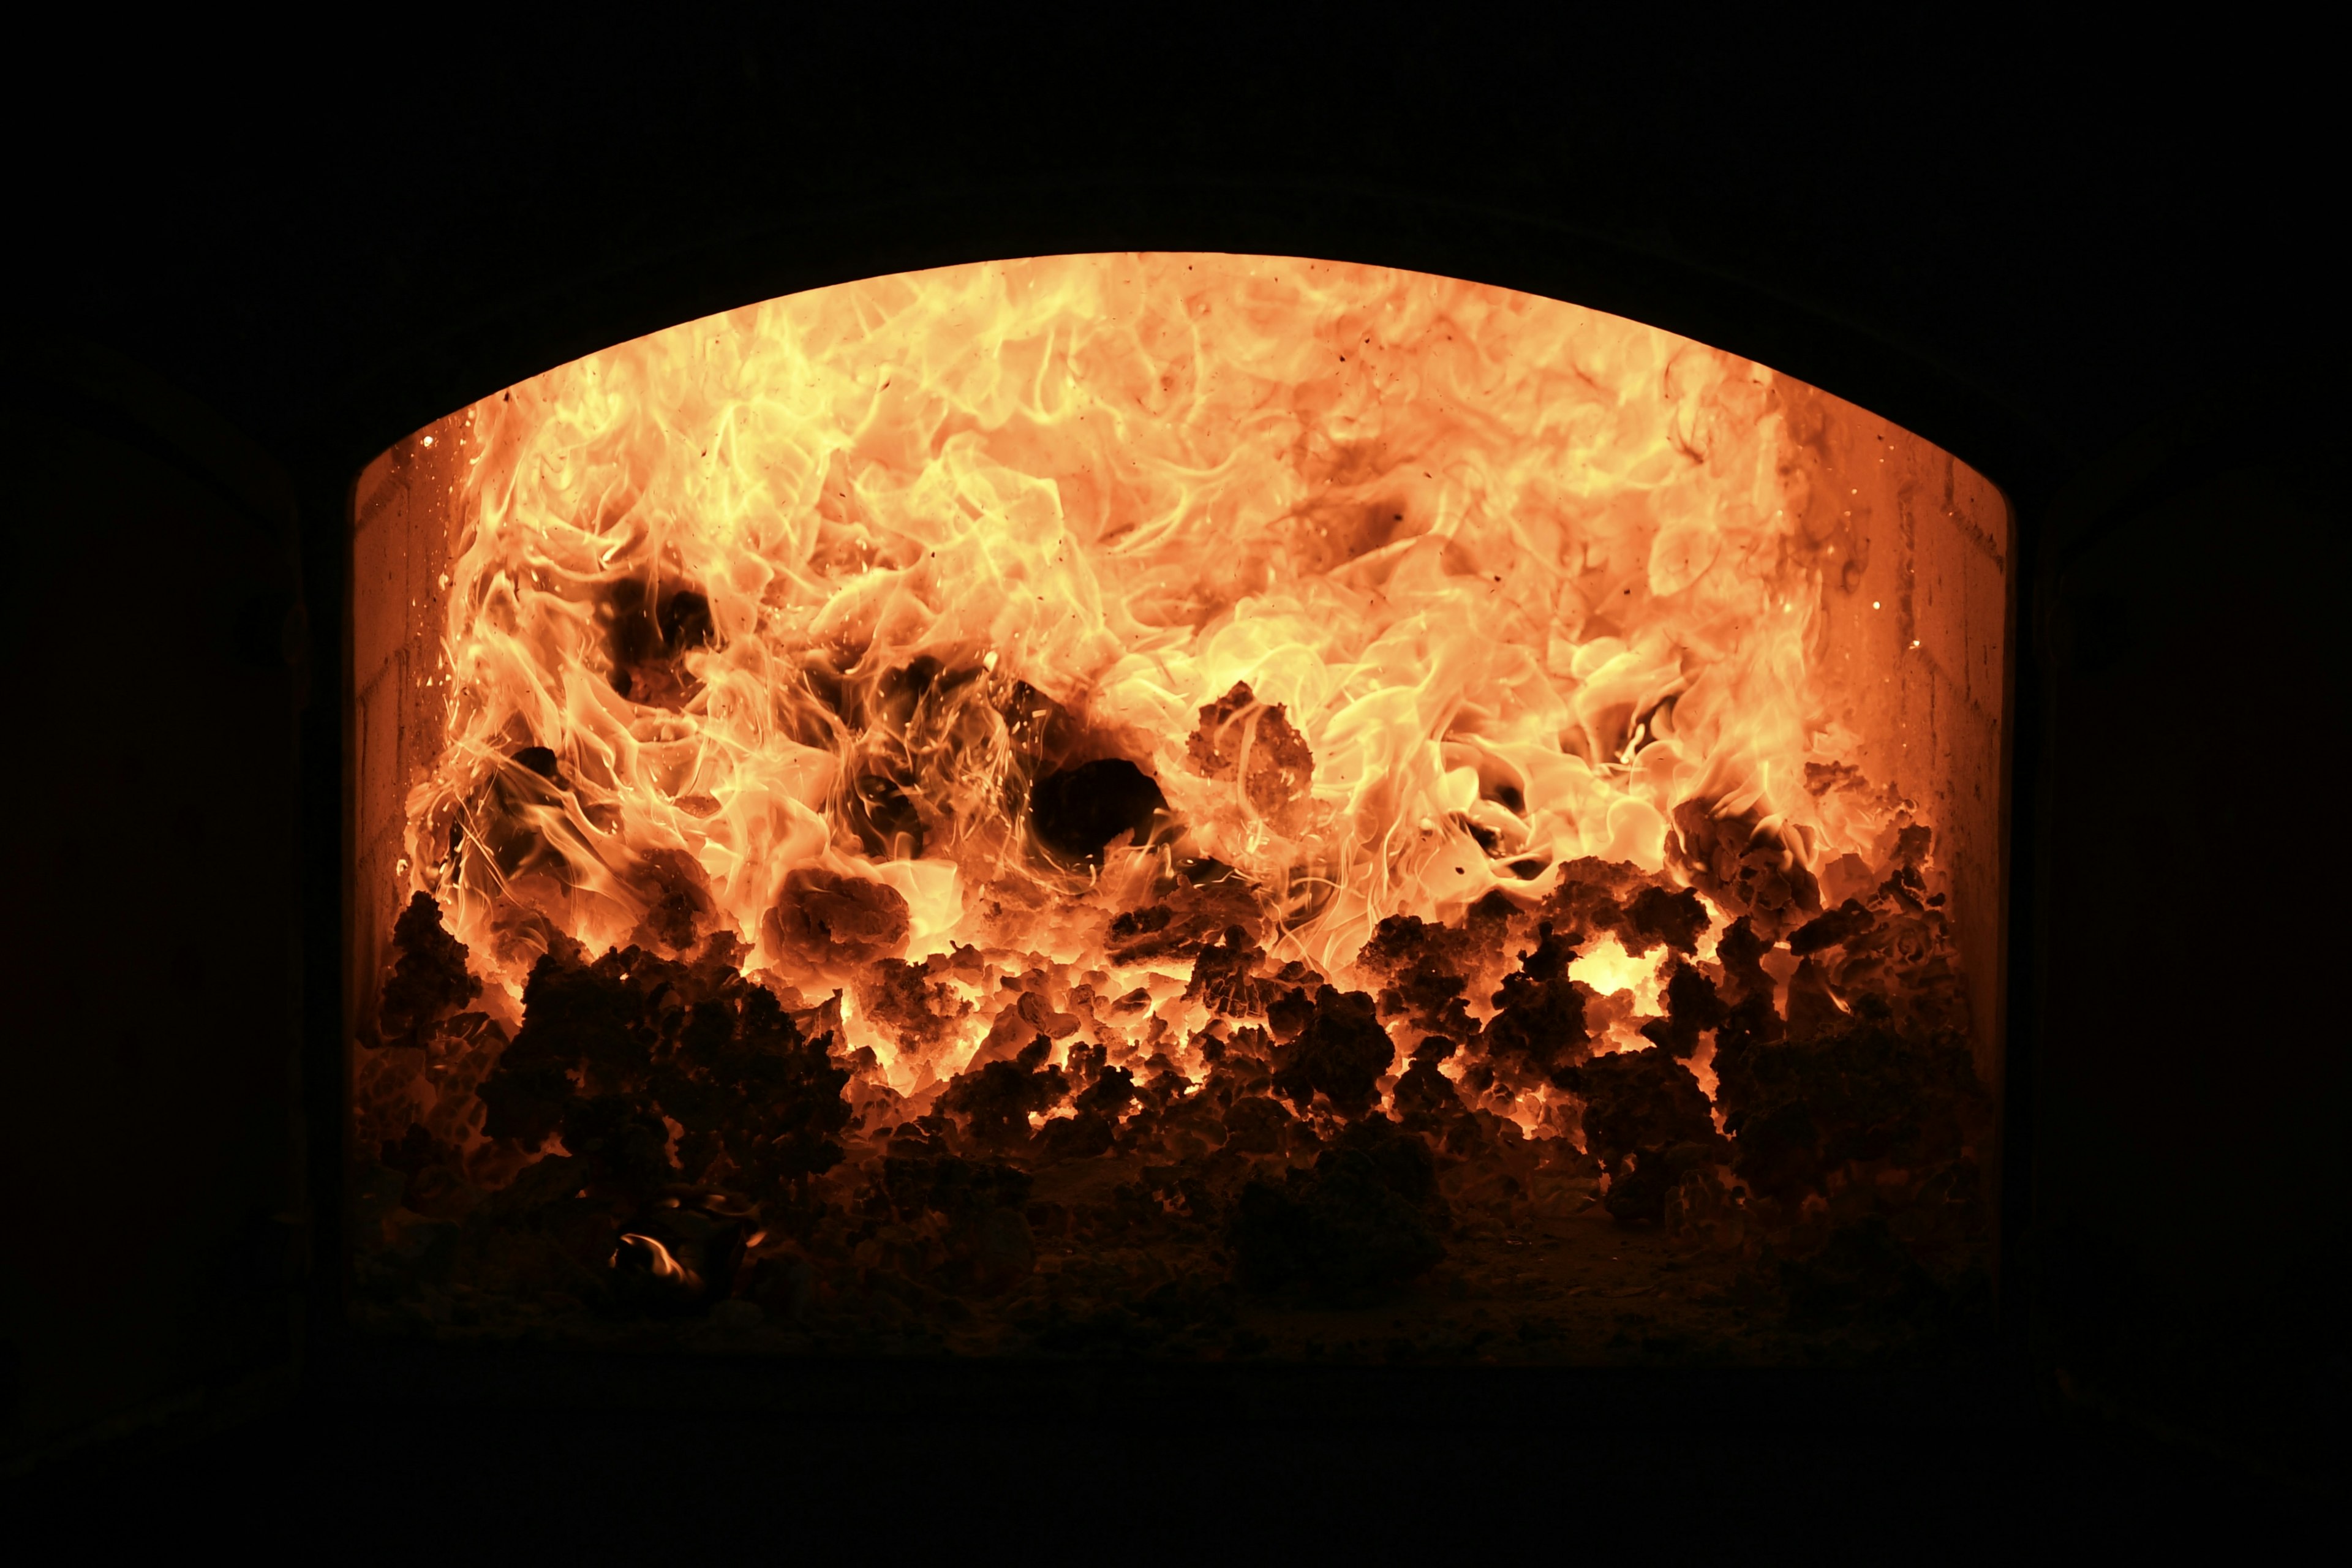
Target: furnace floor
{"x": 1559, "y": 1283}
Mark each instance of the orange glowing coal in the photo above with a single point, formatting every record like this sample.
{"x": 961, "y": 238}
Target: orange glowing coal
{"x": 973, "y": 647}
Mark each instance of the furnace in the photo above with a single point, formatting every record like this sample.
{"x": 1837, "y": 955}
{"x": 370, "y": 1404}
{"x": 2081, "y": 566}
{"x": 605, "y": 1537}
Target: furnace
{"x": 1177, "y": 804}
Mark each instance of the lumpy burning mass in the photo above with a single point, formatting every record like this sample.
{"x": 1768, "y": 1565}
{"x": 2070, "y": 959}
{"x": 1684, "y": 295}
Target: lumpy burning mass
{"x": 1159, "y": 804}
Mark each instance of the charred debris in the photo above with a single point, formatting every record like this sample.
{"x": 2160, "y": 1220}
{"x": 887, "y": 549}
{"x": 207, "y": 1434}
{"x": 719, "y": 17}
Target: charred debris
{"x": 666, "y": 1141}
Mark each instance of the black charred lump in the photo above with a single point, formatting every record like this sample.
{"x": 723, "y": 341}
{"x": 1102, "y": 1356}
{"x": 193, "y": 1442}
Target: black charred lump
{"x": 1289, "y": 1013}
{"x": 946, "y": 1185}
{"x": 1646, "y": 1118}
{"x": 1135, "y": 923}
{"x": 1813, "y": 1003}
{"x": 1741, "y": 952}
{"x": 1403, "y": 943}
{"x": 1225, "y": 976}
{"x": 1619, "y": 896}
{"x": 678, "y": 898}
{"x": 624, "y": 1141}
{"x": 415, "y": 1150}
{"x": 1081, "y": 1137}
{"x": 1078, "y": 812}
{"x": 1866, "y": 1093}
{"x": 429, "y": 980}
{"x": 1692, "y": 1007}
{"x": 1424, "y": 1094}
{"x": 1281, "y": 769}
{"x": 1745, "y": 862}
{"x": 1256, "y": 1125}
{"x": 1841, "y": 925}
{"x": 1341, "y": 1054}
{"x": 910, "y": 1001}
{"x": 1369, "y": 1215}
{"x": 1639, "y": 1099}
{"x": 1110, "y": 1093}
{"x": 1185, "y": 915}
{"x": 996, "y": 1102}
{"x": 608, "y": 1049}
{"x": 1780, "y": 1151}
{"x": 436, "y": 1185}
{"x": 1428, "y": 965}
{"x": 1864, "y": 1278}
{"x": 1588, "y": 893}
{"x": 824, "y": 917}
{"x": 523, "y": 1098}
{"x": 1539, "y": 1011}
{"x": 1646, "y": 1178}
{"x": 1655, "y": 915}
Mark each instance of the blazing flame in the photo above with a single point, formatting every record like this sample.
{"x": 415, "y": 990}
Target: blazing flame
{"x": 956, "y": 613}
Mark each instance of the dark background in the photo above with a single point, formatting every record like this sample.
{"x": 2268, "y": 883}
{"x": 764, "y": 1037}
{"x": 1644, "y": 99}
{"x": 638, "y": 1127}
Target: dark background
{"x": 2024, "y": 241}
{"x": 2093, "y": 264}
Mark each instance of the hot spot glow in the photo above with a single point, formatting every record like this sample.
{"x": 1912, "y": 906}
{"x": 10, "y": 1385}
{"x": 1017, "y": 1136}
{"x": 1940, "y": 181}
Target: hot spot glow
{"x": 1607, "y": 968}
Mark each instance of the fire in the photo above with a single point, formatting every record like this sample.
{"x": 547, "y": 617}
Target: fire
{"x": 949, "y": 618}
{"x": 658, "y": 1259}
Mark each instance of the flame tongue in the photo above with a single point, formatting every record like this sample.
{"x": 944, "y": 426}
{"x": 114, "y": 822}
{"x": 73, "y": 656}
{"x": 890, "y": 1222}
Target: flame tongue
{"x": 1080, "y": 609}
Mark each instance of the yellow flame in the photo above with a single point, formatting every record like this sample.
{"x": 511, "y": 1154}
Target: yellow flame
{"x": 1517, "y": 572}
{"x": 1607, "y": 968}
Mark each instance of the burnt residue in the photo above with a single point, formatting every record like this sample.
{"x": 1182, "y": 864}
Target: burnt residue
{"x": 1366, "y": 1217}
{"x": 1063, "y": 1186}
{"x": 1749, "y": 864}
{"x": 429, "y": 980}
{"x": 1539, "y": 1020}
{"x": 1337, "y": 1057}
{"x": 994, "y": 1102}
{"x": 1806, "y": 1108}
{"x": 1225, "y": 976}
{"x": 840, "y": 921}
{"x": 1648, "y": 1123}
{"x": 1244, "y": 740}
{"x": 960, "y": 1225}
{"x": 1623, "y": 900}
{"x": 1693, "y": 1006}
{"x": 680, "y": 911}
{"x": 1431, "y": 967}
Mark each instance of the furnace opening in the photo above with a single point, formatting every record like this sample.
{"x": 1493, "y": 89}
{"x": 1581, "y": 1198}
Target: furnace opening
{"x": 1193, "y": 805}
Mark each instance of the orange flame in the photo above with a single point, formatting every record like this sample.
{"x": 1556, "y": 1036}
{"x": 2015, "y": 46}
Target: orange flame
{"x": 660, "y": 1262}
{"x": 753, "y": 617}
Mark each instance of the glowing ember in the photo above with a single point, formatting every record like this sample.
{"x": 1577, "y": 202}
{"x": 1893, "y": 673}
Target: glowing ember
{"x": 1050, "y": 684}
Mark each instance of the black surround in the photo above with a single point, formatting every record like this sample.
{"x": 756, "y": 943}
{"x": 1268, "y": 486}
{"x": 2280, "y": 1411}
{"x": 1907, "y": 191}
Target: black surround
{"x": 2109, "y": 304}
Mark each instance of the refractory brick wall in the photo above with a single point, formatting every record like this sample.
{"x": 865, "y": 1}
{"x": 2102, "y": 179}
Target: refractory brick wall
{"x": 1915, "y": 653}
{"x": 400, "y": 515}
